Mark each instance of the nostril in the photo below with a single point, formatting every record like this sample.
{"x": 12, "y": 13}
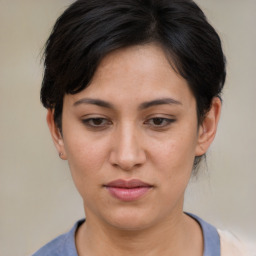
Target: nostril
{"x": 126, "y": 164}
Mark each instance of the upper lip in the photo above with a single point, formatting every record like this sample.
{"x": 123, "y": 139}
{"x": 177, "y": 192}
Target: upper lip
{"x": 134, "y": 183}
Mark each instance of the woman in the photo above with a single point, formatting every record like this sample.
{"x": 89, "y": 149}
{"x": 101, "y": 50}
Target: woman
{"x": 133, "y": 90}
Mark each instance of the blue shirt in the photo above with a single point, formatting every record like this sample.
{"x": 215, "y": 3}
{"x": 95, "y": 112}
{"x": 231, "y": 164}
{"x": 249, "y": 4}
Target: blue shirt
{"x": 64, "y": 245}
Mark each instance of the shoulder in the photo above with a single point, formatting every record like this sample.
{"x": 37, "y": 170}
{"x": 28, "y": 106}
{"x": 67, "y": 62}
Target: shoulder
{"x": 210, "y": 236}
{"x": 231, "y": 245}
{"x": 219, "y": 242}
{"x": 53, "y": 248}
{"x": 63, "y": 245}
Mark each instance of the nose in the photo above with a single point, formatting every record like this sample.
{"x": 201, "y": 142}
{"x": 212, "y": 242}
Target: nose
{"x": 127, "y": 152}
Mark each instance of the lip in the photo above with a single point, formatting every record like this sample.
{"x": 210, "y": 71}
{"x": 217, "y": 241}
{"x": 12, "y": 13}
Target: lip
{"x": 128, "y": 190}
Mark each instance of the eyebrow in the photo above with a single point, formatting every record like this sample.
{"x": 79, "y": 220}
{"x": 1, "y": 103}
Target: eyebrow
{"x": 156, "y": 102}
{"x": 142, "y": 106}
{"x": 97, "y": 102}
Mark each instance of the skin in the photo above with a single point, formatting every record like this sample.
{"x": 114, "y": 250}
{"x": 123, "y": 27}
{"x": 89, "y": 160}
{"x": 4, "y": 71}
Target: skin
{"x": 132, "y": 137}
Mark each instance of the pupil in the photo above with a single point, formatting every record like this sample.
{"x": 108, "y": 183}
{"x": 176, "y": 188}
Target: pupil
{"x": 97, "y": 121}
{"x": 158, "y": 121}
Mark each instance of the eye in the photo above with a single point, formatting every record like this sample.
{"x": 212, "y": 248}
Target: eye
{"x": 159, "y": 122}
{"x": 97, "y": 122}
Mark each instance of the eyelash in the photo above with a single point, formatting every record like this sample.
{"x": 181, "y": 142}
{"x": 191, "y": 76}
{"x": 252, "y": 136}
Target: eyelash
{"x": 89, "y": 122}
{"x": 105, "y": 123}
{"x": 165, "y": 122}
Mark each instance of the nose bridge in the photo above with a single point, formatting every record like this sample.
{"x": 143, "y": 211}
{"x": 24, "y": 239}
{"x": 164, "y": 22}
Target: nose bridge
{"x": 127, "y": 152}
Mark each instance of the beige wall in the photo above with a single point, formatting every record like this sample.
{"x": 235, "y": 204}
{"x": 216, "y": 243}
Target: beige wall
{"x": 37, "y": 198}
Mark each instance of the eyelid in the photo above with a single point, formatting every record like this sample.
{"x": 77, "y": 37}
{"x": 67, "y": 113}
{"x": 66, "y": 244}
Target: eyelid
{"x": 86, "y": 120}
{"x": 160, "y": 115}
{"x": 167, "y": 121}
{"x": 94, "y": 116}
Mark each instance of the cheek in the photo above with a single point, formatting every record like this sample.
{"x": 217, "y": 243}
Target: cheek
{"x": 86, "y": 158}
{"x": 174, "y": 163}
{"x": 174, "y": 158}
{"x": 176, "y": 153}
{"x": 175, "y": 166}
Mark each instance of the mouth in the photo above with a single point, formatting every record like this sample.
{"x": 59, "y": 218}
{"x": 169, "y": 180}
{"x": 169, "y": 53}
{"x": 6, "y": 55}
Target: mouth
{"x": 128, "y": 190}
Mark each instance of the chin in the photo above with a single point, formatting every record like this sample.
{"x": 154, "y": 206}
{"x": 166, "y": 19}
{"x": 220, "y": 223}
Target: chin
{"x": 131, "y": 220}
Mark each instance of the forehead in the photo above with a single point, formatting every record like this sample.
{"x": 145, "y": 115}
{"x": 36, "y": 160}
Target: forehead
{"x": 140, "y": 61}
{"x": 141, "y": 73}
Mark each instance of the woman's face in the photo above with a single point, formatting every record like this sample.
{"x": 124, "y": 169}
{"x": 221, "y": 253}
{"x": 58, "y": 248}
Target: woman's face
{"x": 130, "y": 139}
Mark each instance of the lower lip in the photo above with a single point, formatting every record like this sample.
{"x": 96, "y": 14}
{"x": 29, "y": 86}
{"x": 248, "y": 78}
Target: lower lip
{"x": 128, "y": 194}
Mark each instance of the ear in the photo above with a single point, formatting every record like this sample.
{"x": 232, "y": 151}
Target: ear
{"x": 56, "y": 134}
{"x": 208, "y": 128}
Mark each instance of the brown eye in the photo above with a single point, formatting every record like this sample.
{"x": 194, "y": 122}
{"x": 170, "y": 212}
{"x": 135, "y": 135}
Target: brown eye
{"x": 159, "y": 122}
{"x": 96, "y": 122}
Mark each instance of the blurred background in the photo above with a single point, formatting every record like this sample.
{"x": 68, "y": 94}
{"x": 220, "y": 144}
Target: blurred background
{"x": 38, "y": 200}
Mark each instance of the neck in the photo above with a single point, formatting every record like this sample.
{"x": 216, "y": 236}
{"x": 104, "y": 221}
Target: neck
{"x": 165, "y": 238}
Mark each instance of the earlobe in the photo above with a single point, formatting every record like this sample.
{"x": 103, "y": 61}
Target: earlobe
{"x": 56, "y": 134}
{"x": 208, "y": 128}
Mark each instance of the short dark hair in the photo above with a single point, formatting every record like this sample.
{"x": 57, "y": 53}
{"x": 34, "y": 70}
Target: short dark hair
{"x": 90, "y": 29}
